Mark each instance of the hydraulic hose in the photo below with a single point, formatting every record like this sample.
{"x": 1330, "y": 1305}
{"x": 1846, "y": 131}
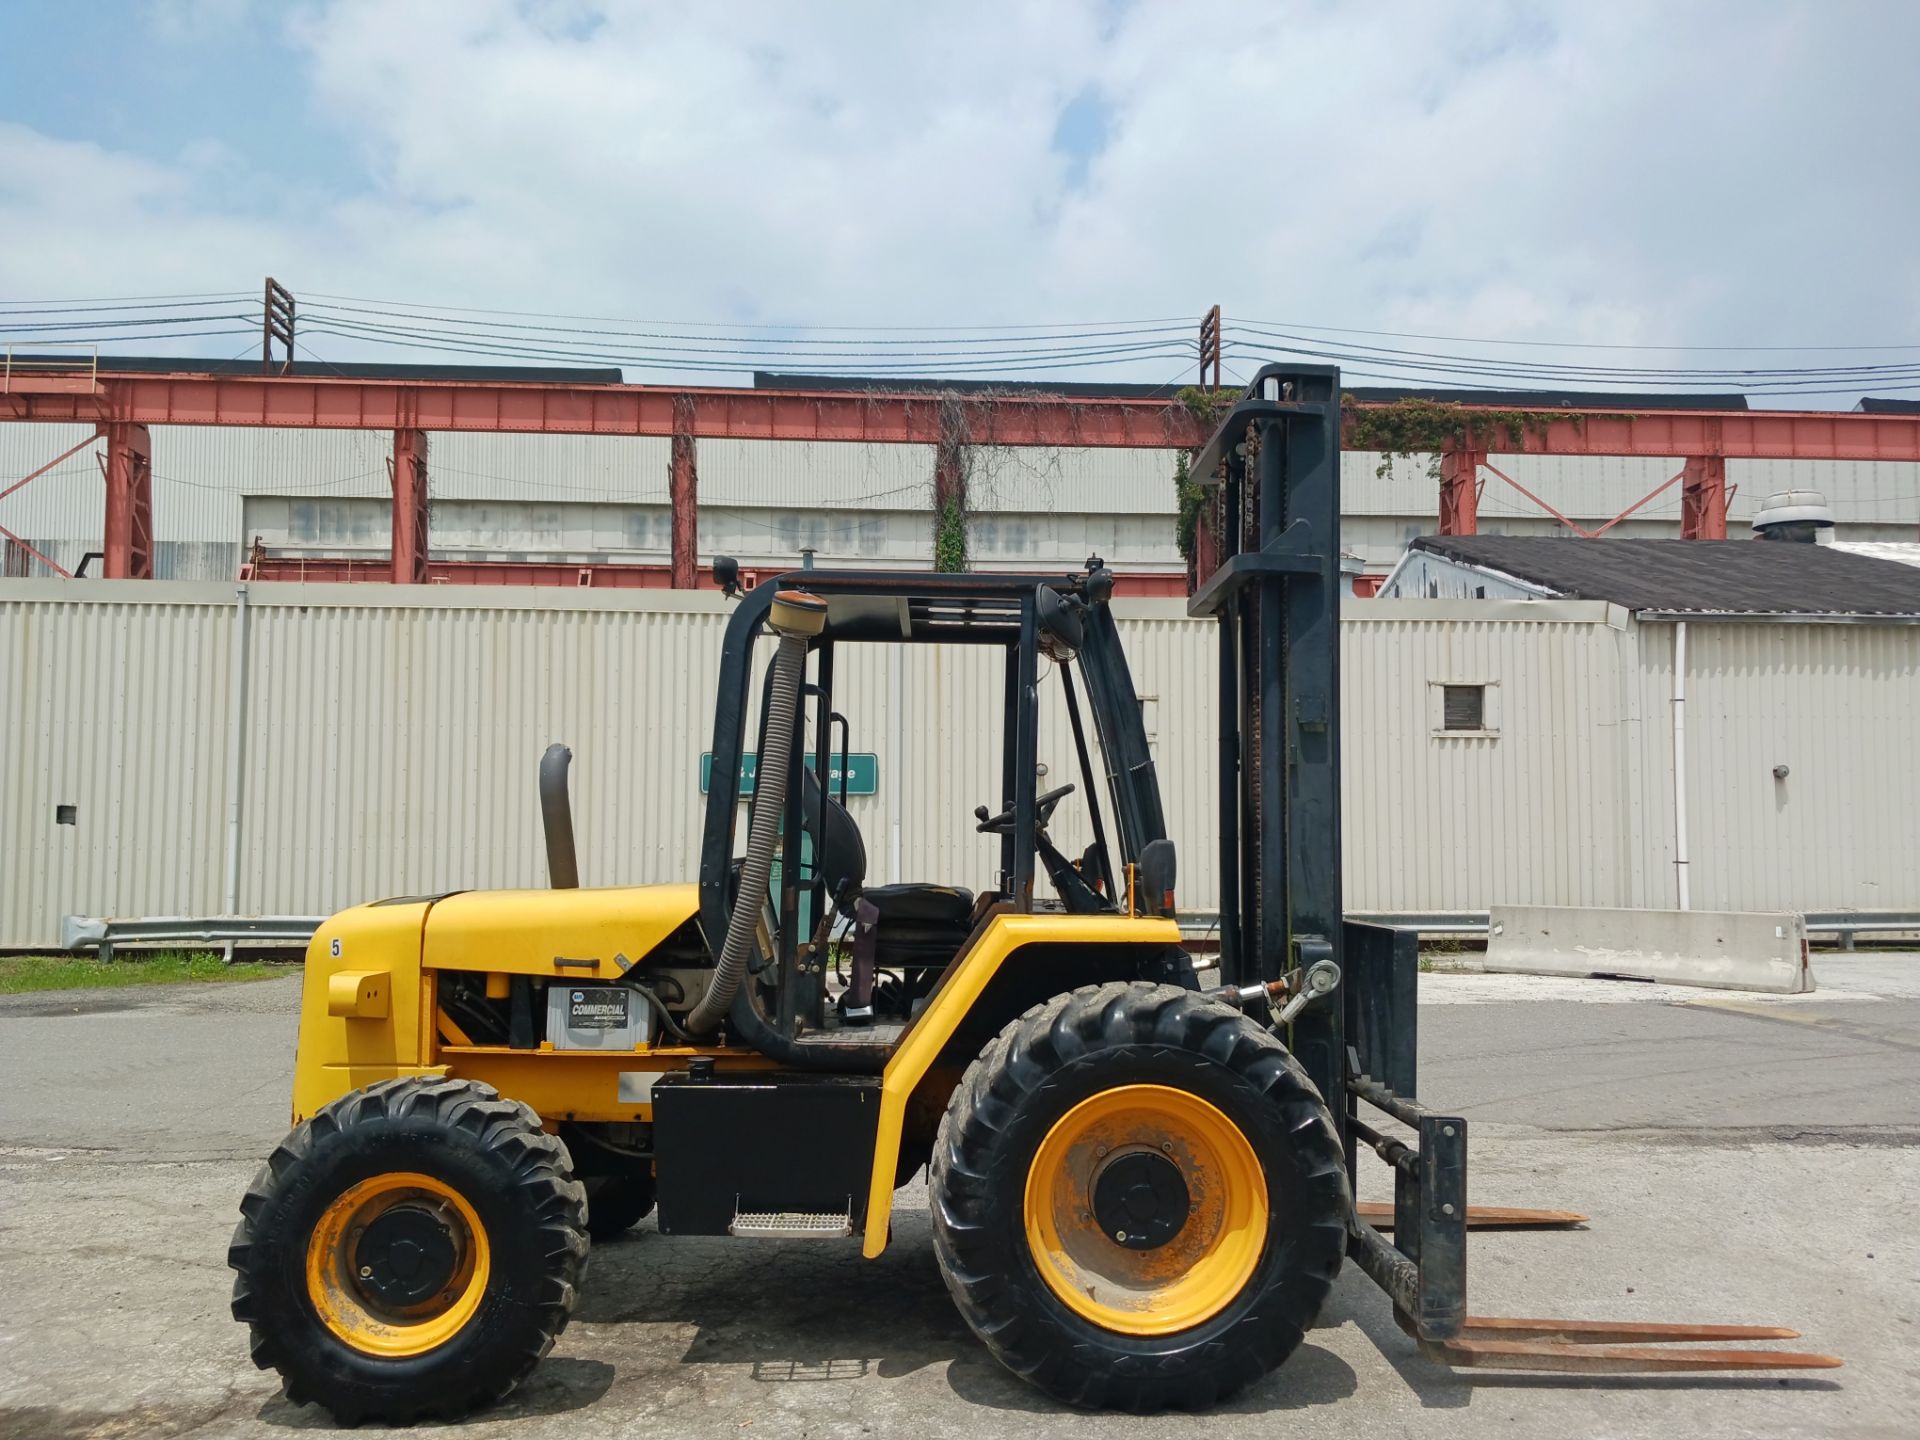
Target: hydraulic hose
{"x": 796, "y": 618}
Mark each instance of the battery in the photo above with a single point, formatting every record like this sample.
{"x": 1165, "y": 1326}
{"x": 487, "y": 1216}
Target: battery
{"x": 584, "y": 1016}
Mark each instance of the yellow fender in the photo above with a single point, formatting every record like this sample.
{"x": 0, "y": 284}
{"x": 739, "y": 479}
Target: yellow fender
{"x": 952, "y": 1002}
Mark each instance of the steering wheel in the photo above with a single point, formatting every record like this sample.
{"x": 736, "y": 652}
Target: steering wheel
{"x": 1043, "y": 807}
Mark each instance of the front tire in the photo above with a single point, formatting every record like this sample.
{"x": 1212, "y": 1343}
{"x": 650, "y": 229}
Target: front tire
{"x": 1139, "y": 1198}
{"x": 412, "y": 1250}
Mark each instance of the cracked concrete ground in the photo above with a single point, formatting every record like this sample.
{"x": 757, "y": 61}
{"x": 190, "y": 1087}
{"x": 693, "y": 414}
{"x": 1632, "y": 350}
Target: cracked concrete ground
{"x": 1743, "y": 1159}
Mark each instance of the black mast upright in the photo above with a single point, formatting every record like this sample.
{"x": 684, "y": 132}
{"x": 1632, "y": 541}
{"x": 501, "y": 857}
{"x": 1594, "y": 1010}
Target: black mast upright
{"x": 1276, "y": 597}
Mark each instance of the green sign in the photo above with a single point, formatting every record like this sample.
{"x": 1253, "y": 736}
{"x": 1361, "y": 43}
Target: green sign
{"x": 861, "y": 770}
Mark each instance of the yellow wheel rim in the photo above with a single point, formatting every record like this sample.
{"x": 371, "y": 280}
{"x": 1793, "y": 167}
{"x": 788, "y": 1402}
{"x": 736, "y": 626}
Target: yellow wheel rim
{"x": 1075, "y": 1227}
{"x": 345, "y": 1275}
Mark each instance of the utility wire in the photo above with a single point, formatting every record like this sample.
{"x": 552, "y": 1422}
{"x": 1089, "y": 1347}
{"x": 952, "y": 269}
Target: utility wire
{"x": 667, "y": 332}
{"x": 1180, "y": 320}
{"x": 642, "y": 360}
{"x": 1562, "y": 344}
{"x": 730, "y": 350}
{"x": 1312, "y": 345}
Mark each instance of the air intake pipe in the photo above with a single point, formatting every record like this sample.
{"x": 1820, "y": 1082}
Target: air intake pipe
{"x": 796, "y": 618}
{"x": 556, "y": 818}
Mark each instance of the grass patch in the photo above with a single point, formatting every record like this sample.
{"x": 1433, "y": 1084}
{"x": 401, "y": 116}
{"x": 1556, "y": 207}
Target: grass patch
{"x": 22, "y": 974}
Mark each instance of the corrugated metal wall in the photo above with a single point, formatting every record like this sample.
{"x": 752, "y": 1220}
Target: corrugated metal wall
{"x": 391, "y": 738}
{"x": 119, "y": 709}
{"x": 1835, "y": 704}
{"x": 1533, "y": 811}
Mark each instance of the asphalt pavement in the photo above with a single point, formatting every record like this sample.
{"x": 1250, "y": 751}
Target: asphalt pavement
{"x": 1744, "y": 1158}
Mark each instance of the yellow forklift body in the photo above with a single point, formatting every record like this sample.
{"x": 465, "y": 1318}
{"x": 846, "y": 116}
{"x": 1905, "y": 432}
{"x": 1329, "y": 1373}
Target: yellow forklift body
{"x": 576, "y": 934}
{"x": 368, "y": 1007}
{"x": 348, "y": 1038}
{"x": 955, "y": 998}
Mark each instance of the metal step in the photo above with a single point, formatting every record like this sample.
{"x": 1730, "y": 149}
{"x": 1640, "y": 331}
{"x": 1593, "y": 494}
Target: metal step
{"x": 791, "y": 1225}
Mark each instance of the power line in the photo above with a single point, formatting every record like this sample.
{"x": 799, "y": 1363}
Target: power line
{"x": 129, "y": 302}
{"x": 70, "y": 341}
{"x": 670, "y": 332}
{"x": 31, "y": 307}
{"x": 746, "y": 324}
{"x": 409, "y": 339}
{"x": 1568, "y": 344}
{"x": 727, "y": 350}
{"x": 44, "y": 326}
{"x": 1484, "y": 364}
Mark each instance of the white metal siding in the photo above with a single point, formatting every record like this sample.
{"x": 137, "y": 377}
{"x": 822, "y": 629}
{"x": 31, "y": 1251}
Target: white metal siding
{"x": 1537, "y": 810}
{"x": 392, "y": 736}
{"x": 119, "y": 709}
{"x": 1835, "y": 704}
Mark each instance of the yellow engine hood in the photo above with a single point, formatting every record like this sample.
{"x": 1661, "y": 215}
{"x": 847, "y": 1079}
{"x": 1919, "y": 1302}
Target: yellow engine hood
{"x": 582, "y": 934}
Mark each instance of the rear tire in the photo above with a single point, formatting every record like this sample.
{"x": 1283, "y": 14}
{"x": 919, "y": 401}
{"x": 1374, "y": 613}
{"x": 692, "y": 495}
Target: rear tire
{"x": 412, "y": 1250}
{"x": 1233, "y": 1171}
{"x": 617, "y": 1203}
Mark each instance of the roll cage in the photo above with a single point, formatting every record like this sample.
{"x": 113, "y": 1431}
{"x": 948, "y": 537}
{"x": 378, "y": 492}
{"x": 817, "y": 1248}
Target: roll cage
{"x": 919, "y": 608}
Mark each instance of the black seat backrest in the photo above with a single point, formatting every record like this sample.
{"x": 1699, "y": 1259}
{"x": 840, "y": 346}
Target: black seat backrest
{"x": 840, "y": 856}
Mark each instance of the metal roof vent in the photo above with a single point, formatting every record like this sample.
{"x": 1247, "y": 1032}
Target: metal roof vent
{"x": 1795, "y": 515}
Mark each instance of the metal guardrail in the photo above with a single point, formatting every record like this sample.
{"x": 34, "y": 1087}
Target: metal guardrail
{"x": 86, "y": 932}
{"x": 31, "y": 369}
{"x": 1844, "y": 923}
{"x": 83, "y": 932}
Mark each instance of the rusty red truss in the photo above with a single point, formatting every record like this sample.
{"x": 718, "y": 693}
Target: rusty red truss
{"x": 122, "y": 404}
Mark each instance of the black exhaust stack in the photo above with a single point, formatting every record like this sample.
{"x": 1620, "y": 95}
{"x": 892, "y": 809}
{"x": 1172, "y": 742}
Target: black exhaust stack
{"x": 556, "y": 815}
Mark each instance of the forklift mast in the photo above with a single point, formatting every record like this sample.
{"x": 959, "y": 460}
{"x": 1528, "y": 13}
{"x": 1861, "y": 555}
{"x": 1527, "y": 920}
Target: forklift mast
{"x": 1276, "y": 458}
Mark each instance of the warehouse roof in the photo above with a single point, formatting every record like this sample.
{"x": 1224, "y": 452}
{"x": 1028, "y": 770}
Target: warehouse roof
{"x": 1742, "y": 577}
{"x": 1116, "y": 390}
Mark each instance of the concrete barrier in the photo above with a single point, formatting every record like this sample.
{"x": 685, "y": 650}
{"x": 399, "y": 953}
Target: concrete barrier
{"x": 1724, "y": 950}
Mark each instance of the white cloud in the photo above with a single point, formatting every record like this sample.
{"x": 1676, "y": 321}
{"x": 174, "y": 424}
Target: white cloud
{"x": 1695, "y": 174}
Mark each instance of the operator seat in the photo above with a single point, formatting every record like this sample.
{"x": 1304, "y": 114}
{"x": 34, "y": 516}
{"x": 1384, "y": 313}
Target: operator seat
{"x": 842, "y": 862}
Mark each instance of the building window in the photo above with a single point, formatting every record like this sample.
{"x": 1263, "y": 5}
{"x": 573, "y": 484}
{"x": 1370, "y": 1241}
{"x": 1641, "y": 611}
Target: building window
{"x": 1463, "y": 707}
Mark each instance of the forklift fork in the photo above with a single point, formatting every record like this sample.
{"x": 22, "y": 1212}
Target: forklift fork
{"x": 1423, "y": 1268}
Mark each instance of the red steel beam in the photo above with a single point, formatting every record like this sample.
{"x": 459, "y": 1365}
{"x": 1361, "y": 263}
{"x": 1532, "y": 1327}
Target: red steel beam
{"x": 33, "y": 475}
{"x": 48, "y": 561}
{"x": 127, "y": 547}
{"x": 1703, "y": 498}
{"x": 683, "y": 503}
{"x": 301, "y": 402}
{"x": 408, "y": 471}
{"x": 1460, "y": 491}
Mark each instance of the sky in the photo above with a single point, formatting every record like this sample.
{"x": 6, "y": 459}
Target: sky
{"x": 1670, "y": 175}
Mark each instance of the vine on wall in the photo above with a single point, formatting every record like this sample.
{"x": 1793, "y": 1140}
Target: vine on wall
{"x": 1191, "y": 496}
{"x": 1406, "y": 428}
{"x": 950, "y": 536}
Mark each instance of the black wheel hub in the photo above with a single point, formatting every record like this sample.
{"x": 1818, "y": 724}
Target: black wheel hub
{"x": 406, "y": 1256}
{"x": 1140, "y": 1200}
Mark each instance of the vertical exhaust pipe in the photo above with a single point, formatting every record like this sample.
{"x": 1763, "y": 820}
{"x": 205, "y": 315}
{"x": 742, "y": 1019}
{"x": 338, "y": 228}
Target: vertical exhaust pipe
{"x": 796, "y": 618}
{"x": 556, "y": 817}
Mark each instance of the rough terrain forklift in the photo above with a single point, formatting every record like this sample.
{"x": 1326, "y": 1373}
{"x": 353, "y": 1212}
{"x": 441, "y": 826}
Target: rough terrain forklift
{"x": 1141, "y": 1189}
